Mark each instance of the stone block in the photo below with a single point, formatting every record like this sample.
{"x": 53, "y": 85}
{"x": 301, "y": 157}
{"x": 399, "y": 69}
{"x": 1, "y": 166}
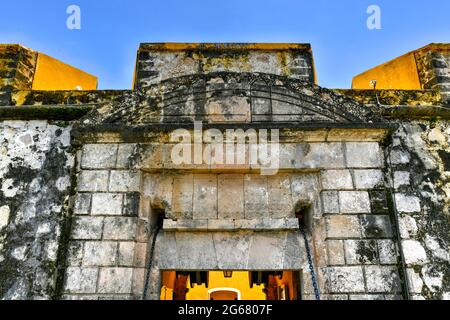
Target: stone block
{"x": 368, "y": 179}
{"x": 115, "y": 280}
{"x": 99, "y": 156}
{"x": 415, "y": 281}
{"x": 169, "y": 225}
{"x": 155, "y": 156}
{"x": 75, "y": 253}
{"x": 401, "y": 178}
{"x": 166, "y": 251}
{"x": 393, "y": 297}
{"x": 93, "y": 181}
{"x": 343, "y": 227}
{"x": 280, "y": 197}
{"x": 205, "y": 196}
{"x": 363, "y": 155}
{"x": 87, "y": 228}
{"x": 126, "y": 254}
{"x": 196, "y": 251}
{"x": 126, "y": 154}
{"x": 131, "y": 204}
{"x": 414, "y": 252}
{"x": 107, "y": 204}
{"x": 266, "y": 251}
{"x": 354, "y": 202}
{"x": 387, "y": 251}
{"x": 232, "y": 249}
{"x": 141, "y": 253}
{"x": 256, "y": 196}
{"x": 294, "y": 257}
{"x": 192, "y": 225}
{"x": 335, "y": 297}
{"x": 407, "y": 204}
{"x": 221, "y": 225}
{"x": 337, "y": 180}
{"x": 182, "y": 197}
{"x": 376, "y": 226}
{"x": 82, "y": 203}
{"x": 120, "y": 228}
{"x": 335, "y": 252}
{"x": 159, "y": 189}
{"x": 320, "y": 156}
{"x": 345, "y": 279}
{"x": 125, "y": 181}
{"x": 330, "y": 202}
{"x": 267, "y": 224}
{"x": 366, "y": 297}
{"x": 80, "y": 280}
{"x": 231, "y": 196}
{"x": 382, "y": 279}
{"x": 4, "y": 216}
{"x": 360, "y": 252}
{"x": 305, "y": 187}
{"x": 398, "y": 157}
{"x": 78, "y": 297}
{"x": 143, "y": 230}
{"x": 138, "y": 282}
{"x": 408, "y": 226}
{"x": 99, "y": 254}
{"x": 378, "y": 202}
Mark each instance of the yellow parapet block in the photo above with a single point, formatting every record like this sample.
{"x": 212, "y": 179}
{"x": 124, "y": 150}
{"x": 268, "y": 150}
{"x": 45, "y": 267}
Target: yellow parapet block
{"x": 52, "y": 74}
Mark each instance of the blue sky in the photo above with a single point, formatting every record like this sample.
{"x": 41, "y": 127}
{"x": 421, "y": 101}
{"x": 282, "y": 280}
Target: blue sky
{"x": 112, "y": 29}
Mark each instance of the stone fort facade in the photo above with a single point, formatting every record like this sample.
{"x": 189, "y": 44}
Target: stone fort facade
{"x": 93, "y": 205}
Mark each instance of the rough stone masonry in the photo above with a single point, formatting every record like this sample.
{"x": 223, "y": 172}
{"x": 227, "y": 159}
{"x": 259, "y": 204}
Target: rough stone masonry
{"x": 83, "y": 175}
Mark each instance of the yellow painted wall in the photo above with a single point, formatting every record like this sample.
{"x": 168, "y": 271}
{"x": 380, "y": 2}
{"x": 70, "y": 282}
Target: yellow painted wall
{"x": 239, "y": 281}
{"x": 52, "y": 74}
{"x": 400, "y": 73}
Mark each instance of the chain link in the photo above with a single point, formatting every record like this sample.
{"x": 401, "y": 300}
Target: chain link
{"x": 311, "y": 265}
{"x": 150, "y": 262}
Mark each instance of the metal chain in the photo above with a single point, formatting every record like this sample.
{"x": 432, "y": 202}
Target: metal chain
{"x": 150, "y": 262}
{"x": 311, "y": 265}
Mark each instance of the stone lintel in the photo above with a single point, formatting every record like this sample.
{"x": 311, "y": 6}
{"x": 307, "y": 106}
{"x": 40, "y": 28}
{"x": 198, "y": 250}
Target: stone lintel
{"x": 219, "y": 225}
{"x": 289, "y": 132}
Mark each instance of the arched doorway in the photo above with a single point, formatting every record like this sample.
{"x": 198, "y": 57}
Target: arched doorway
{"x": 224, "y": 294}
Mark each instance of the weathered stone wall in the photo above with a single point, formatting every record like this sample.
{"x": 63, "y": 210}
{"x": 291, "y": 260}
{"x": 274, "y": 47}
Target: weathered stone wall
{"x": 354, "y": 235}
{"x": 420, "y": 158}
{"x": 35, "y": 180}
{"x": 77, "y": 215}
{"x": 105, "y": 256}
{"x": 17, "y": 66}
{"x": 434, "y": 70}
{"x": 158, "y": 62}
{"x": 358, "y": 259}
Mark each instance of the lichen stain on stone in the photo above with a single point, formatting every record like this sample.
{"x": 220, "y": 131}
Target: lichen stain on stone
{"x": 283, "y": 63}
{"x": 39, "y": 201}
{"x": 430, "y": 182}
{"x": 366, "y": 252}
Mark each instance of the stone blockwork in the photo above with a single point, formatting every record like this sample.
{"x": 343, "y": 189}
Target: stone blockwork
{"x": 360, "y": 241}
{"x": 80, "y": 202}
{"x": 17, "y": 66}
{"x": 433, "y": 63}
{"x": 107, "y": 232}
{"x": 158, "y": 62}
{"x": 420, "y": 169}
{"x": 36, "y": 163}
{"x": 230, "y": 97}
